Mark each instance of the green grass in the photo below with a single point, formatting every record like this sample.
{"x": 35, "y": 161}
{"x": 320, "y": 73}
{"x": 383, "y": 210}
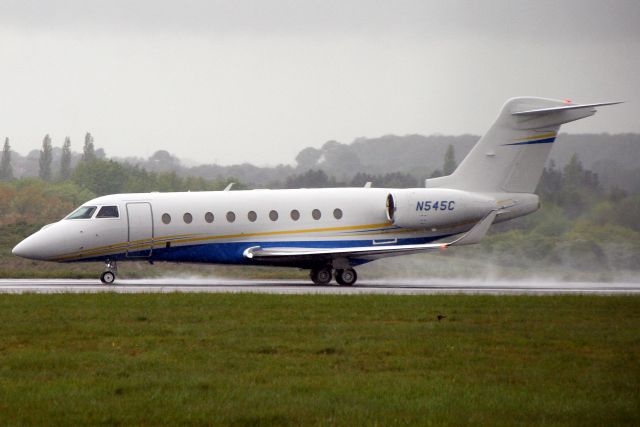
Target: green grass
{"x": 246, "y": 360}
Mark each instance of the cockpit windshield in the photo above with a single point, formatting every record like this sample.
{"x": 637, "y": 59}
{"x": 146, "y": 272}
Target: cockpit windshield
{"x": 83, "y": 212}
{"x": 108, "y": 212}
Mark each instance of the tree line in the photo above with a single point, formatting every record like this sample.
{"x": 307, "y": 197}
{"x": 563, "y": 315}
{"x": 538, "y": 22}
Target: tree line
{"x": 46, "y": 167}
{"x": 582, "y": 224}
{"x": 573, "y": 189}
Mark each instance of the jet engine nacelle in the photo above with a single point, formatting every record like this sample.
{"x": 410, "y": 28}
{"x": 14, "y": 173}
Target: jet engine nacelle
{"x": 434, "y": 207}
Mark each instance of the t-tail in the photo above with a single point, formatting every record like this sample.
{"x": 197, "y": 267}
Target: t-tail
{"x": 511, "y": 156}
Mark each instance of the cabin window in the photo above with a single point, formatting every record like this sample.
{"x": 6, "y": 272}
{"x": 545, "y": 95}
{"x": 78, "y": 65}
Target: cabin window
{"x": 273, "y": 215}
{"x": 108, "y": 212}
{"x": 208, "y": 217}
{"x": 231, "y": 216}
{"x": 337, "y": 213}
{"x": 83, "y": 212}
{"x": 187, "y": 218}
{"x": 316, "y": 214}
{"x": 295, "y": 215}
{"x": 252, "y": 216}
{"x": 166, "y": 218}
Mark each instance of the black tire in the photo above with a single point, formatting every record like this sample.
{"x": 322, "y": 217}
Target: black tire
{"x": 346, "y": 277}
{"x": 108, "y": 277}
{"x": 321, "y": 276}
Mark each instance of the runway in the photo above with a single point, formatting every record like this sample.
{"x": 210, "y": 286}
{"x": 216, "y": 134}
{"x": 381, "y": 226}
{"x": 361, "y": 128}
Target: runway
{"x": 391, "y": 287}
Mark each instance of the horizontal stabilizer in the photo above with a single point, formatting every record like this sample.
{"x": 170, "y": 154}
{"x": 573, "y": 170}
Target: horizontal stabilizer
{"x": 563, "y": 108}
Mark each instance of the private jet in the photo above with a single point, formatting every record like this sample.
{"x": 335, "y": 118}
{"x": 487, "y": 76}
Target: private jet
{"x": 328, "y": 231}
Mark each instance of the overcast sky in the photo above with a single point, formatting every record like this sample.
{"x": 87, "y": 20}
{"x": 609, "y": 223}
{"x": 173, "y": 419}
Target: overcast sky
{"x": 256, "y": 81}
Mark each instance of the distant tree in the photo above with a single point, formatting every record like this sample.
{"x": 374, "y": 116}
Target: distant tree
{"x": 575, "y": 175}
{"x": 571, "y": 198}
{"x": 65, "y": 160}
{"x": 361, "y": 178}
{"x": 46, "y": 156}
{"x": 550, "y": 183}
{"x": 590, "y": 180}
{"x": 101, "y": 176}
{"x": 573, "y": 172}
{"x": 436, "y": 173}
{"x": 397, "y": 180}
{"x": 6, "y": 170}
{"x": 340, "y": 159}
{"x": 308, "y": 158}
{"x": 616, "y": 194}
{"x": 161, "y": 160}
{"x": 580, "y": 188}
{"x": 627, "y": 213}
{"x": 88, "y": 151}
{"x": 7, "y": 194}
{"x": 310, "y": 179}
{"x": 389, "y": 180}
{"x": 449, "y": 161}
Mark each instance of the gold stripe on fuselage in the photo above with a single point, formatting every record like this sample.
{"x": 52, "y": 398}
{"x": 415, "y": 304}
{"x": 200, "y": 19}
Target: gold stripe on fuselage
{"x": 122, "y": 244}
{"x": 104, "y": 250}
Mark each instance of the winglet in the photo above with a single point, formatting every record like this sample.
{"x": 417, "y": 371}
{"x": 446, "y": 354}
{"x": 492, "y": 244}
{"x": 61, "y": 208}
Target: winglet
{"x": 478, "y": 231}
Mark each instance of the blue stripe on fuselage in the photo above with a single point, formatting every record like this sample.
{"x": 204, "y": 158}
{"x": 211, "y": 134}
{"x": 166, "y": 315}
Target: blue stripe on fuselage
{"x": 232, "y": 252}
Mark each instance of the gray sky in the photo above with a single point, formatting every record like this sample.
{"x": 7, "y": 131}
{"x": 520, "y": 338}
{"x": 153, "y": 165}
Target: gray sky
{"x": 256, "y": 81}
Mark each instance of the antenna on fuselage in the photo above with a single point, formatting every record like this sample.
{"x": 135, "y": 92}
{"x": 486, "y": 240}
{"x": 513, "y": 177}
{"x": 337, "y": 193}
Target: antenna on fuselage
{"x": 367, "y": 184}
{"x": 228, "y": 187}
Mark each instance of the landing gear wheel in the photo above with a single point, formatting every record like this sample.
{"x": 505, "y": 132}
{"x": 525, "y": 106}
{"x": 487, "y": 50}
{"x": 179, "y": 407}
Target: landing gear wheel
{"x": 321, "y": 276}
{"x": 346, "y": 277}
{"x": 108, "y": 277}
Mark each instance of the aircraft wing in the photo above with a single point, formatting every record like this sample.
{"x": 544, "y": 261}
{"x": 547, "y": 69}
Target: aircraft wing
{"x": 276, "y": 254}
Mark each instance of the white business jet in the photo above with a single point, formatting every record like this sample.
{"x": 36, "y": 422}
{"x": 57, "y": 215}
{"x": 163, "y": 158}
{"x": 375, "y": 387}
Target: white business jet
{"x": 328, "y": 231}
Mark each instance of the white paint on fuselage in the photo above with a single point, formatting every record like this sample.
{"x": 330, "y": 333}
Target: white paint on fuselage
{"x": 364, "y": 222}
{"x": 359, "y": 207}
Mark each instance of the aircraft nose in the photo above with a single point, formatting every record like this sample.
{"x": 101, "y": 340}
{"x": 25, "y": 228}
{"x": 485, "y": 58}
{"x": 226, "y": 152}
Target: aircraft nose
{"x": 21, "y": 249}
{"x": 27, "y": 249}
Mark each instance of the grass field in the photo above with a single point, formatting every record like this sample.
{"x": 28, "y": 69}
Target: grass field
{"x": 247, "y": 360}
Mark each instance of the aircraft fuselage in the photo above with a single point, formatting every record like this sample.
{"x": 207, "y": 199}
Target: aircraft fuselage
{"x": 218, "y": 226}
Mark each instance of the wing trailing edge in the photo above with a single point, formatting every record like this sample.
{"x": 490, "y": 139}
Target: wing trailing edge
{"x": 472, "y": 236}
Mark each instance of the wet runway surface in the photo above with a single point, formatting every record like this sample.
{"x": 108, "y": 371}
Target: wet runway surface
{"x": 395, "y": 287}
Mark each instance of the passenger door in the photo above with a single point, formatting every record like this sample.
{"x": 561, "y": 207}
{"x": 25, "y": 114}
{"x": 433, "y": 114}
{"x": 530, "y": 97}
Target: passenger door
{"x": 140, "y": 234}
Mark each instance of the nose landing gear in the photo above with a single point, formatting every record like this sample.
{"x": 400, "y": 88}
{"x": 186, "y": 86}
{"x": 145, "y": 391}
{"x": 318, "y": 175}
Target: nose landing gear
{"x": 108, "y": 276}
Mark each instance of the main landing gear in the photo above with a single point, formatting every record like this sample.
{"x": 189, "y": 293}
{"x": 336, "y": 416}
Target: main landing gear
{"x": 108, "y": 276}
{"x": 323, "y": 276}
{"x": 346, "y": 277}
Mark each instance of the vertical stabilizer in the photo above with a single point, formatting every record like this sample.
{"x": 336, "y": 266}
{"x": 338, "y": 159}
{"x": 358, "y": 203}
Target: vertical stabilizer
{"x": 511, "y": 156}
